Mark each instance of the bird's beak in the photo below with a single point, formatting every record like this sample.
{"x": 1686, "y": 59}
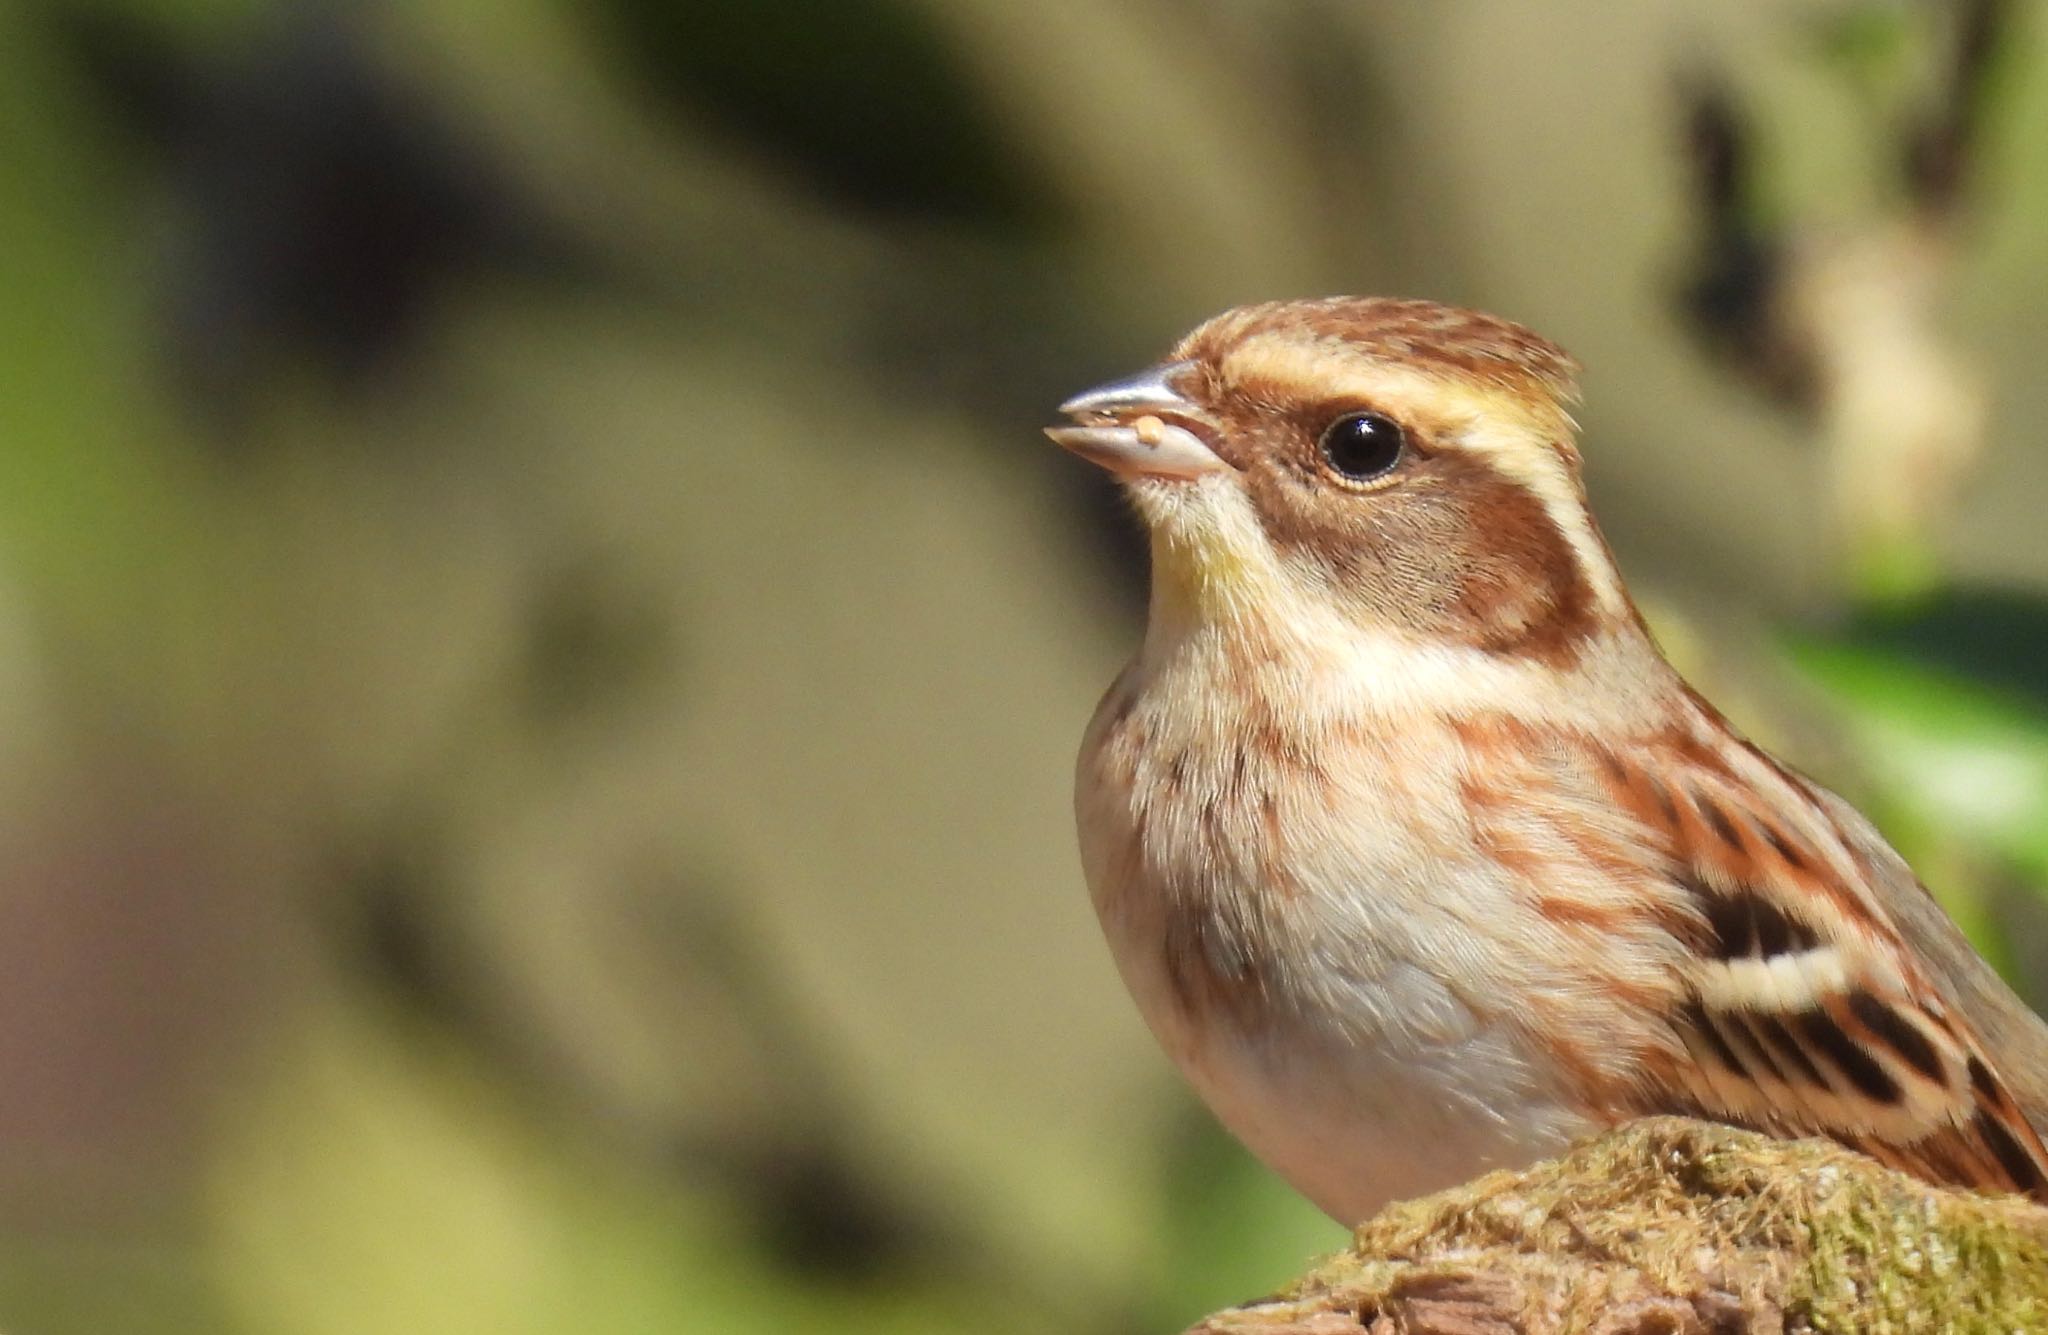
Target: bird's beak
{"x": 1140, "y": 427}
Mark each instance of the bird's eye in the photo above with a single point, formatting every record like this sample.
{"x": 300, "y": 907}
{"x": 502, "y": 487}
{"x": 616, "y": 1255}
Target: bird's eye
{"x": 1363, "y": 446}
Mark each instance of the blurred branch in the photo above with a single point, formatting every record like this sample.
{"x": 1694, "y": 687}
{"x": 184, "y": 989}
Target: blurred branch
{"x": 317, "y": 206}
{"x": 1672, "y": 1226}
{"x": 1841, "y": 327}
{"x": 1943, "y": 138}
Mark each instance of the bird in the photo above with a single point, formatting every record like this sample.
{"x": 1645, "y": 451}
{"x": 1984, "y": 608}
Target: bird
{"x": 1419, "y": 858}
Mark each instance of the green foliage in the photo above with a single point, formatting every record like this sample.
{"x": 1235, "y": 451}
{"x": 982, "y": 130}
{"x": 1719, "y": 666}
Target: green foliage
{"x": 1230, "y": 1229}
{"x": 1946, "y": 710}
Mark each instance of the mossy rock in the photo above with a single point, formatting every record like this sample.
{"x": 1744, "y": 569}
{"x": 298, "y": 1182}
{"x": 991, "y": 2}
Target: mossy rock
{"x": 1674, "y": 1227}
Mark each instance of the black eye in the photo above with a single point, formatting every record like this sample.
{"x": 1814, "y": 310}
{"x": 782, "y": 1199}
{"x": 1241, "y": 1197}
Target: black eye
{"x": 1362, "y": 446}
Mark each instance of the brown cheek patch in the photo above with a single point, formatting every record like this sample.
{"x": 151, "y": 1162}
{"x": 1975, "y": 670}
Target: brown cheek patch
{"x": 1523, "y": 592}
{"x": 1454, "y": 550}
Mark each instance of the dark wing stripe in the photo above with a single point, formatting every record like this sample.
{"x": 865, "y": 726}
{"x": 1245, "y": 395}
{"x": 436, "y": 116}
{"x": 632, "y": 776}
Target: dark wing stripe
{"x": 1727, "y": 918}
{"x": 1862, "y": 1069}
{"x": 1696, "y": 1018}
{"x": 1899, "y": 1034}
{"x": 1744, "y": 923}
{"x": 2019, "y": 1165}
{"x": 1720, "y": 820}
{"x": 1786, "y": 849}
{"x": 1986, "y": 1086}
{"x": 1788, "y": 1048}
{"x": 1757, "y": 1057}
{"x": 1775, "y": 933}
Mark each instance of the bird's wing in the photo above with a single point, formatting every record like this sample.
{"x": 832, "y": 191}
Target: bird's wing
{"x": 1825, "y": 993}
{"x": 2003, "y": 1022}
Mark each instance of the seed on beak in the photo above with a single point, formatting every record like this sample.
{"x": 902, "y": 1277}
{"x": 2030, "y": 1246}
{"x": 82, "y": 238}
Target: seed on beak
{"x": 1123, "y": 427}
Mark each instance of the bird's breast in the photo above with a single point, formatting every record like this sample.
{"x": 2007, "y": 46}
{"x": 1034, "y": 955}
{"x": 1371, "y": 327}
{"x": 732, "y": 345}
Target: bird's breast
{"x": 1308, "y": 930}
{"x": 1260, "y": 872}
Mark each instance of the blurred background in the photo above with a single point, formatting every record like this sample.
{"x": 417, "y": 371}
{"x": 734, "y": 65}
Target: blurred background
{"x": 541, "y": 646}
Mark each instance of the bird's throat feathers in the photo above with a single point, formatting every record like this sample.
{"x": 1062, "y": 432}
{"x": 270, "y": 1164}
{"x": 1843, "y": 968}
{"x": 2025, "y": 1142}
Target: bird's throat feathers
{"x": 1210, "y": 563}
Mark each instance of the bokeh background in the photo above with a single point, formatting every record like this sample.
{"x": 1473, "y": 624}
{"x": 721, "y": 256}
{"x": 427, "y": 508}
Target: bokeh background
{"x": 541, "y": 647}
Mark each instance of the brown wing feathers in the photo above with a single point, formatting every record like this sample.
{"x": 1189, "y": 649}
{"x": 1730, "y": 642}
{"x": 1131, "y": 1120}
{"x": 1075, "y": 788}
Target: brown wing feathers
{"x": 1804, "y": 1014}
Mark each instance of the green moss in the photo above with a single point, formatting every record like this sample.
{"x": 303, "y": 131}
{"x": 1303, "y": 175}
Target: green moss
{"x": 1669, "y": 1222}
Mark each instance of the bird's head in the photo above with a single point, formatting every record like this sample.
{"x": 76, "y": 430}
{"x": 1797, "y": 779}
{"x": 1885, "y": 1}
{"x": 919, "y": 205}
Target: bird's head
{"x": 1406, "y": 467}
